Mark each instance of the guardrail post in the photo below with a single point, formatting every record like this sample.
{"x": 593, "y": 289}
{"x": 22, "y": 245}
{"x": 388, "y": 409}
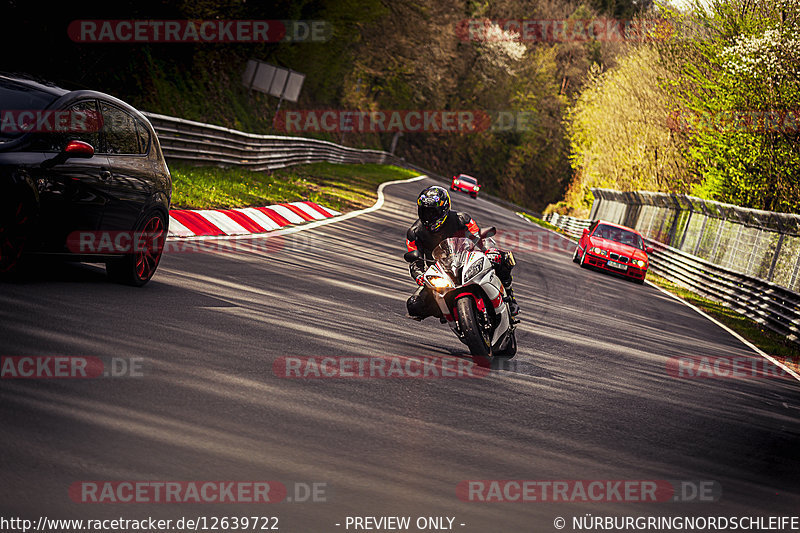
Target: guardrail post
{"x": 700, "y": 235}
{"x": 719, "y": 236}
{"x": 595, "y": 206}
{"x": 752, "y": 250}
{"x": 775, "y": 257}
{"x": 686, "y": 229}
{"x": 673, "y": 227}
{"x": 794, "y": 273}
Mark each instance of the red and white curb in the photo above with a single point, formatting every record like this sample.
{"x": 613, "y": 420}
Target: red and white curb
{"x": 244, "y": 221}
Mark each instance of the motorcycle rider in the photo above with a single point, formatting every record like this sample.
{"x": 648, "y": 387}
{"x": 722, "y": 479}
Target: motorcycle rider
{"x": 436, "y": 223}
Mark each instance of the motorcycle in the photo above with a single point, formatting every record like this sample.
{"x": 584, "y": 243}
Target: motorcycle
{"x": 470, "y": 295}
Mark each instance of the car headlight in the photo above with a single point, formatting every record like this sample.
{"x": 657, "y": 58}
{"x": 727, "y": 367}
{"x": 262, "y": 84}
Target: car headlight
{"x": 598, "y": 251}
{"x": 439, "y": 283}
{"x": 639, "y": 263}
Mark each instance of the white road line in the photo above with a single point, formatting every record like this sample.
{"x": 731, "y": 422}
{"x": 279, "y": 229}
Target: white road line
{"x": 744, "y": 341}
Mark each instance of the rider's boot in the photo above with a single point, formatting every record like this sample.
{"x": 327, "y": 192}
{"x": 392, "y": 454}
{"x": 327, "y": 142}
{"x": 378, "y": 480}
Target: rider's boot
{"x": 512, "y": 302}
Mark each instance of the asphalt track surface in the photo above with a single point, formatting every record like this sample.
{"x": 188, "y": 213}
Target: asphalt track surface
{"x": 588, "y": 396}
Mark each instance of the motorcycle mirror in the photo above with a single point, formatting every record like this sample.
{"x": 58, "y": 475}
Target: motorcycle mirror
{"x": 488, "y": 232}
{"x": 412, "y": 256}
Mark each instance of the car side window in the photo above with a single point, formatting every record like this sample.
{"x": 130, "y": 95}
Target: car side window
{"x": 144, "y": 137}
{"x": 119, "y": 131}
{"x": 82, "y": 123}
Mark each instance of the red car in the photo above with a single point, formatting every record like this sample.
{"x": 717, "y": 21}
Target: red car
{"x": 465, "y": 183}
{"x": 613, "y": 248}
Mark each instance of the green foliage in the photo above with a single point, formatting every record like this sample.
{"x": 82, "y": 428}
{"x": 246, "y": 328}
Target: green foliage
{"x": 732, "y": 84}
{"x": 619, "y": 133}
{"x": 699, "y": 111}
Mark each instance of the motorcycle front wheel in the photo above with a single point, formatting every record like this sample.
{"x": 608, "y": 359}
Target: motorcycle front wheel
{"x": 475, "y": 338}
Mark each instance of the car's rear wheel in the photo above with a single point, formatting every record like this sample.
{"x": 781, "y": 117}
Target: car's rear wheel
{"x": 138, "y": 267}
{"x": 476, "y": 339}
{"x": 17, "y": 216}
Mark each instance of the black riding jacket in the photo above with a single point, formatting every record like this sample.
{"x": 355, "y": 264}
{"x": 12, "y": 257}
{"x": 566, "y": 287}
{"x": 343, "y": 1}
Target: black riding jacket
{"x": 420, "y": 238}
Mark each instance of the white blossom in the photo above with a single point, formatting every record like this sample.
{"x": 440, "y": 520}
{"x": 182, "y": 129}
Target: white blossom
{"x": 770, "y": 54}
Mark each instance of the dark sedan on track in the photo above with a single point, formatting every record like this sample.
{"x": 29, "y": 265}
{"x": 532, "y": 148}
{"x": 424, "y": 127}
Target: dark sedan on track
{"x": 613, "y": 248}
{"x": 78, "y": 168}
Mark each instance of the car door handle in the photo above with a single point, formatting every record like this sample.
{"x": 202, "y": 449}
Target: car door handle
{"x": 105, "y": 175}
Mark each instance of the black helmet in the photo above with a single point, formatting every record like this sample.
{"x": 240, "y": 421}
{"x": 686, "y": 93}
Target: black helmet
{"x": 433, "y": 206}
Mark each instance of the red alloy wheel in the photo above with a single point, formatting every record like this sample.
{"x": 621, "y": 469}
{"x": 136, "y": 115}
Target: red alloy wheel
{"x": 148, "y": 257}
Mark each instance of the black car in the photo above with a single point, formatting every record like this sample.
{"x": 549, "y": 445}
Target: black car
{"x": 78, "y": 168}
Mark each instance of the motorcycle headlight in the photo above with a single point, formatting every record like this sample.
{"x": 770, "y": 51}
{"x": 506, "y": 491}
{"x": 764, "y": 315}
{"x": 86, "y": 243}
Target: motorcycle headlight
{"x": 439, "y": 283}
{"x": 473, "y": 270}
{"x": 598, "y": 251}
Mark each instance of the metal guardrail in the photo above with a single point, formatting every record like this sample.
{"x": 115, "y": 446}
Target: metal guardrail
{"x": 572, "y": 226}
{"x": 205, "y": 143}
{"x": 761, "y": 244}
{"x": 766, "y": 303}
{"x": 197, "y": 142}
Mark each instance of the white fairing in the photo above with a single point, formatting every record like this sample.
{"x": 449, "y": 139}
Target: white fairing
{"x": 484, "y": 277}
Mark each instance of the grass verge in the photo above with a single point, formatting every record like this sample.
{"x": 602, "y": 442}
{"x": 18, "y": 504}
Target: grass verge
{"x": 765, "y": 339}
{"x": 542, "y": 223}
{"x": 340, "y": 187}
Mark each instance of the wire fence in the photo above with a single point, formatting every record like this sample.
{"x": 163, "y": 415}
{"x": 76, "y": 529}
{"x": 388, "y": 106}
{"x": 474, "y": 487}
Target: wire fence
{"x": 760, "y": 244}
{"x": 743, "y": 258}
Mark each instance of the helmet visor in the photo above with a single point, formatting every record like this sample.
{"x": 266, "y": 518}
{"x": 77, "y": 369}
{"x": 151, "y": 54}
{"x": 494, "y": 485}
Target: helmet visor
{"x": 432, "y": 217}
